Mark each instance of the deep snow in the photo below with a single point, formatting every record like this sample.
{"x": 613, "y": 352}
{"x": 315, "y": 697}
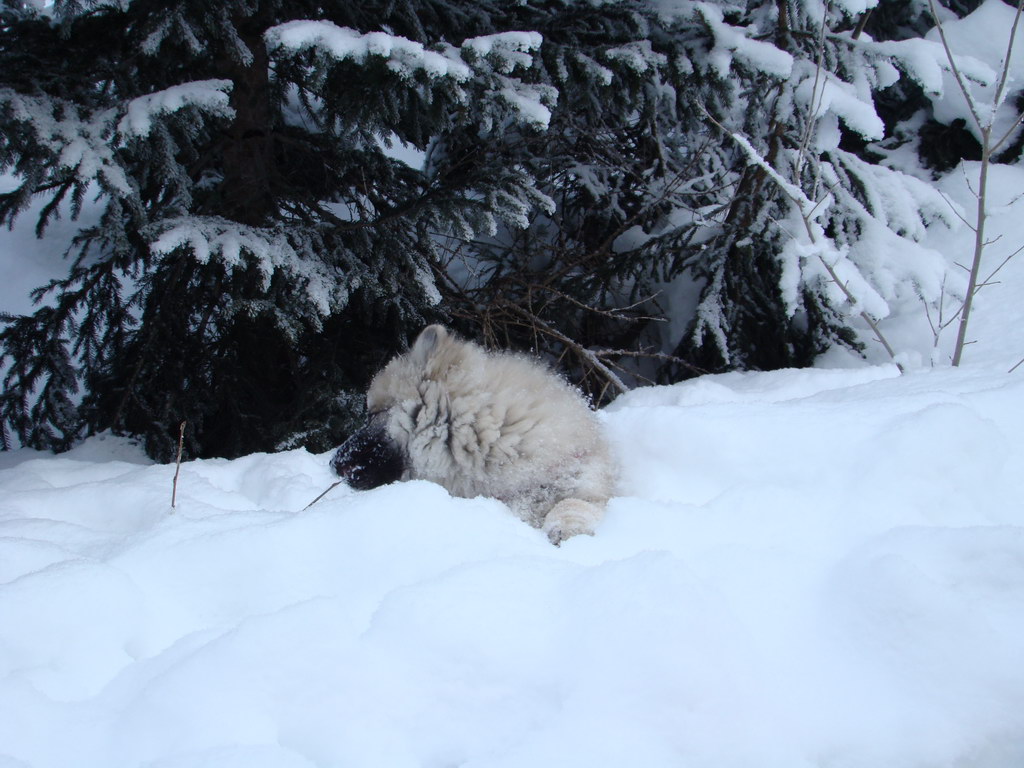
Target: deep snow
{"x": 802, "y": 569}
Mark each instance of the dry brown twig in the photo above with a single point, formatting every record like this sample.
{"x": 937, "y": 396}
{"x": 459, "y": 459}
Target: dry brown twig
{"x": 329, "y": 489}
{"x": 582, "y": 352}
{"x": 177, "y": 467}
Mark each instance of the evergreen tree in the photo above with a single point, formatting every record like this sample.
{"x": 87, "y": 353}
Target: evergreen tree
{"x": 638, "y": 190}
{"x": 814, "y": 231}
{"x": 685, "y": 141}
{"x": 579, "y": 281}
{"x": 260, "y": 248}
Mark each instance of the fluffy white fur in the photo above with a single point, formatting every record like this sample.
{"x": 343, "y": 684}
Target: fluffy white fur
{"x": 499, "y": 425}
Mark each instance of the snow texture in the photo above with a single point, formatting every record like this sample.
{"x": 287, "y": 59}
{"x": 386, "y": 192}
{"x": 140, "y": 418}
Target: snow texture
{"x": 77, "y": 140}
{"x": 513, "y": 48}
{"x": 268, "y": 249}
{"x": 733, "y": 42}
{"x": 812, "y": 568}
{"x": 87, "y": 142}
{"x": 820, "y": 567}
{"x": 827, "y": 93}
{"x": 980, "y": 42}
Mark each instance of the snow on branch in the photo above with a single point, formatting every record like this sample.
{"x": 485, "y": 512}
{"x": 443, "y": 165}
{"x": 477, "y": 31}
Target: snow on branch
{"x": 237, "y": 245}
{"x": 496, "y": 57}
{"x": 74, "y": 138}
{"x": 735, "y": 42}
{"x": 818, "y": 258}
{"x": 511, "y": 49}
{"x": 405, "y": 57}
{"x": 86, "y": 142}
{"x": 808, "y": 210}
{"x": 208, "y": 95}
{"x": 638, "y": 56}
{"x": 827, "y": 93}
{"x": 925, "y": 61}
{"x": 490, "y": 57}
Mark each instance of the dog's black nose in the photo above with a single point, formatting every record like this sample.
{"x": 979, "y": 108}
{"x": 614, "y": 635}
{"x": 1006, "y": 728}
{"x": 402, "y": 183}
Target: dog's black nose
{"x": 369, "y": 458}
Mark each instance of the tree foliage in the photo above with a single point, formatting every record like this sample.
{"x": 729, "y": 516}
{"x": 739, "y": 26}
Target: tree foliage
{"x": 682, "y": 137}
{"x": 259, "y": 249}
{"x": 640, "y": 191}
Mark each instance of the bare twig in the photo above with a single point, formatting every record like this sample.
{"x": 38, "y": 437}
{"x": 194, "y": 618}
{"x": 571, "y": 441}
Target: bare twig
{"x": 988, "y": 148}
{"x": 863, "y": 313}
{"x": 936, "y": 325}
{"x": 581, "y": 351}
{"x": 329, "y": 489}
{"x": 954, "y": 208}
{"x": 1009, "y": 132}
{"x": 971, "y": 105}
{"x": 648, "y": 355}
{"x": 1004, "y": 76}
{"x": 988, "y": 280}
{"x": 177, "y": 468}
{"x": 816, "y": 99}
{"x": 861, "y": 24}
{"x": 615, "y": 313}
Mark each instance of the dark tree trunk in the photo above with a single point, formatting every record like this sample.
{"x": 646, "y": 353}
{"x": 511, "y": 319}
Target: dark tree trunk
{"x": 248, "y": 154}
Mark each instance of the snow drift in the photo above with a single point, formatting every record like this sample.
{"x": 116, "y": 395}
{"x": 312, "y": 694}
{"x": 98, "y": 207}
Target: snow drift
{"x": 803, "y": 568}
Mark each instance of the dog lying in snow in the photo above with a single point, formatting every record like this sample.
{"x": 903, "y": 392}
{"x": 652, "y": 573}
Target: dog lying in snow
{"x": 483, "y": 424}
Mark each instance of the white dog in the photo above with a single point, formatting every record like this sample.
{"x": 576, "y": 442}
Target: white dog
{"x": 483, "y": 424}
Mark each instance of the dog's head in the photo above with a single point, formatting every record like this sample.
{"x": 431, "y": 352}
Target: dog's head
{"x": 378, "y": 453}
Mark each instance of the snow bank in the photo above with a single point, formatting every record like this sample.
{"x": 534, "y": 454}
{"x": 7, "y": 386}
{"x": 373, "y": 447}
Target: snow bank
{"x": 803, "y": 568}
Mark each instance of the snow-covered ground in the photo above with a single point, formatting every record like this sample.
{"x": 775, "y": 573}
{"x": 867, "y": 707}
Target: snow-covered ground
{"x": 819, "y": 568}
{"x": 802, "y": 569}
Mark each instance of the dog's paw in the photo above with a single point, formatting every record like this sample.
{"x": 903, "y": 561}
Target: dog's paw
{"x": 571, "y": 517}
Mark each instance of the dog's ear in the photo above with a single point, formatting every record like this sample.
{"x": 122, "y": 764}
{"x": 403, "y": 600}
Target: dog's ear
{"x": 427, "y": 343}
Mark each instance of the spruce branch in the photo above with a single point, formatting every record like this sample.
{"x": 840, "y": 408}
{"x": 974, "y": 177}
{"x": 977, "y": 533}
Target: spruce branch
{"x": 805, "y": 208}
